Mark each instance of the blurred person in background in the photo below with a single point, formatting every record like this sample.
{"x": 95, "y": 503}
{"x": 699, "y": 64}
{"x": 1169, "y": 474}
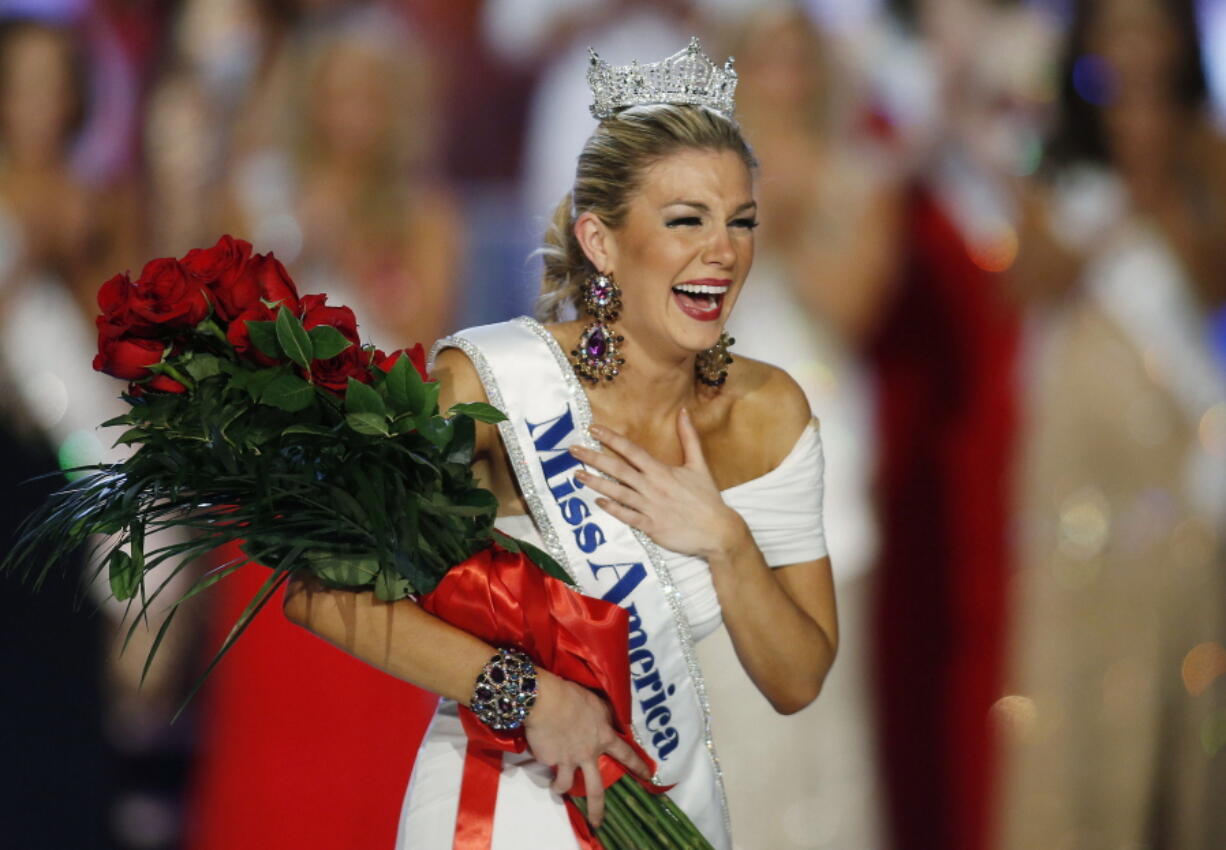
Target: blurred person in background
{"x": 825, "y": 259}
{"x": 1115, "y": 723}
{"x": 943, "y": 357}
{"x": 350, "y": 194}
{"x": 346, "y": 193}
{"x": 57, "y": 234}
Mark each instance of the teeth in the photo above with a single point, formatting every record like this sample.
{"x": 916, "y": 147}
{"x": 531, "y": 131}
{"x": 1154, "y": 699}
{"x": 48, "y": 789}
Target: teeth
{"x": 700, "y": 289}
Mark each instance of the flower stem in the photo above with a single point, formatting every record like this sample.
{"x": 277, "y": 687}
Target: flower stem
{"x": 671, "y": 819}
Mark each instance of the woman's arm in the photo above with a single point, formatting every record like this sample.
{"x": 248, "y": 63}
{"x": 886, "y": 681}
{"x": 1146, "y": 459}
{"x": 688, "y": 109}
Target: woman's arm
{"x": 782, "y": 621}
{"x": 568, "y": 728}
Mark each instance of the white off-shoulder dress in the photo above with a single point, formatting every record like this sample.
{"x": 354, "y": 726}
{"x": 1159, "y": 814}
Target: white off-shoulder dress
{"x": 783, "y": 510}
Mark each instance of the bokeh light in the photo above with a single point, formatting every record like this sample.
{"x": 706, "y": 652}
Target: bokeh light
{"x": 1212, "y": 430}
{"x": 1202, "y": 666}
{"x": 997, "y": 252}
{"x": 80, "y": 448}
{"x": 1092, "y": 80}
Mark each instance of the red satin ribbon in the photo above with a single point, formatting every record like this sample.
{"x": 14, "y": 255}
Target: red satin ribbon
{"x": 506, "y": 600}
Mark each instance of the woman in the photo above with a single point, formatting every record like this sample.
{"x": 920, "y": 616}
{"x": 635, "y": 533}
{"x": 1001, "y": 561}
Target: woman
{"x": 348, "y": 194}
{"x": 1119, "y": 593}
{"x": 663, "y": 205}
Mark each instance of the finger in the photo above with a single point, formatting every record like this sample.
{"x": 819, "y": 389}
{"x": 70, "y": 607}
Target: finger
{"x": 595, "y": 792}
{"x": 629, "y": 516}
{"x": 691, "y": 444}
{"x": 631, "y": 760}
{"x": 613, "y": 489}
{"x": 563, "y": 779}
{"x": 609, "y": 464}
{"x": 624, "y": 446}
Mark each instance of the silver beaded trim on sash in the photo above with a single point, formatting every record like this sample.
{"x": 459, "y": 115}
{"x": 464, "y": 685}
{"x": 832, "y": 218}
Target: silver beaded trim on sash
{"x": 583, "y": 413}
{"x": 515, "y": 451}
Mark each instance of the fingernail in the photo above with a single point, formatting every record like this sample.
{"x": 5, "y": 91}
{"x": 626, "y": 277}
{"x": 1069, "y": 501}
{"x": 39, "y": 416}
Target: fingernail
{"x": 595, "y": 430}
{"x": 575, "y": 449}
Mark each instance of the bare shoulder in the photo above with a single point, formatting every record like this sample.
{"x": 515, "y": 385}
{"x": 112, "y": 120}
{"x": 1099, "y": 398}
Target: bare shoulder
{"x": 767, "y": 406}
{"x": 457, "y": 377}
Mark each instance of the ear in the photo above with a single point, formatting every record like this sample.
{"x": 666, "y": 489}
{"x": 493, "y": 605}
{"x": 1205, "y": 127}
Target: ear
{"x": 597, "y": 242}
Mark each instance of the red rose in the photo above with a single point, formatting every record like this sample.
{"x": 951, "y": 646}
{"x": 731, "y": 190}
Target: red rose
{"x": 240, "y": 337}
{"x": 114, "y": 295}
{"x": 416, "y": 355}
{"x": 220, "y": 269}
{"x": 334, "y": 373}
{"x": 168, "y": 296}
{"x": 166, "y": 384}
{"x": 274, "y": 282}
{"x": 115, "y": 301}
{"x": 128, "y": 358}
{"x": 315, "y": 312}
{"x": 219, "y": 264}
{"x": 262, "y": 278}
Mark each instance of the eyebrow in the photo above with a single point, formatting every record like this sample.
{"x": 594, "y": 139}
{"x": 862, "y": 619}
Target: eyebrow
{"x": 699, "y": 205}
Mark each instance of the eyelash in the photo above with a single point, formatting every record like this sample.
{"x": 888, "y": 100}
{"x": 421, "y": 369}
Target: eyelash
{"x": 690, "y": 221}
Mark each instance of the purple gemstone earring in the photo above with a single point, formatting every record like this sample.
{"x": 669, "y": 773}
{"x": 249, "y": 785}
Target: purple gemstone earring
{"x": 597, "y": 355}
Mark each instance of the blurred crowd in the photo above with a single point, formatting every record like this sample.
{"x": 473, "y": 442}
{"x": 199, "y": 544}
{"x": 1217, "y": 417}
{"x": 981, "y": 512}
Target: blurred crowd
{"x": 992, "y": 252}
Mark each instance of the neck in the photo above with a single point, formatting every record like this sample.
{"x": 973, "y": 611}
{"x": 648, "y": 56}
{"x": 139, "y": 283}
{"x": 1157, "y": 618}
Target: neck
{"x": 651, "y": 390}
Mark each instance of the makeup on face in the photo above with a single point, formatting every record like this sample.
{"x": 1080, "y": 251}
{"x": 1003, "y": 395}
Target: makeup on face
{"x": 687, "y": 245}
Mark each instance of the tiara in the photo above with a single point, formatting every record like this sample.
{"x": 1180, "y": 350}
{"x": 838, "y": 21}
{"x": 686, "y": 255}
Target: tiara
{"x": 687, "y": 77}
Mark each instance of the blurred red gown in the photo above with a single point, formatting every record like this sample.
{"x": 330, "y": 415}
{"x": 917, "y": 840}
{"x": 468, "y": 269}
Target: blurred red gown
{"x": 300, "y": 746}
{"x": 944, "y": 359}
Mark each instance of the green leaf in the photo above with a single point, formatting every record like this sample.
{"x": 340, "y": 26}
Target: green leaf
{"x": 390, "y": 586}
{"x": 327, "y": 342}
{"x": 264, "y": 337}
{"x": 415, "y": 572}
{"x": 405, "y": 388}
{"x": 543, "y": 560}
{"x": 203, "y": 366}
{"x": 311, "y": 430}
{"x": 436, "y": 429}
{"x": 293, "y": 337}
{"x": 463, "y": 441}
{"x": 132, "y": 435}
{"x": 137, "y": 530}
{"x": 360, "y": 398}
{"x": 480, "y": 411}
{"x": 431, "y": 405}
{"x": 371, "y": 424}
{"x": 343, "y": 570}
{"x": 124, "y": 579}
{"x": 288, "y": 392}
{"x": 256, "y": 382}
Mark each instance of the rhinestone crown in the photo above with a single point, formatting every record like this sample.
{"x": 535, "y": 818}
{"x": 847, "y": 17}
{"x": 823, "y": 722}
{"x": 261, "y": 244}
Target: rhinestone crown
{"x": 687, "y": 77}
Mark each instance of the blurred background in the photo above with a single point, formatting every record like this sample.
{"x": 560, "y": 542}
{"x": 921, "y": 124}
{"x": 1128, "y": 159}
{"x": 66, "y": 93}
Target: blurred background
{"x": 993, "y": 252}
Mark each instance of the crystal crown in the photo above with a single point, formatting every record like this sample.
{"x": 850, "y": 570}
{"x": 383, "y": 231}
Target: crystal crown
{"x": 687, "y": 77}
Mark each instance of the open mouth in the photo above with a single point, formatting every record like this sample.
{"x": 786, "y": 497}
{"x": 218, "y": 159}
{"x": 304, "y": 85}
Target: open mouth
{"x": 701, "y": 301}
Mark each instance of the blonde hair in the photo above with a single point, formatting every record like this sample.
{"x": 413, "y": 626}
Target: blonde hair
{"x": 610, "y": 171}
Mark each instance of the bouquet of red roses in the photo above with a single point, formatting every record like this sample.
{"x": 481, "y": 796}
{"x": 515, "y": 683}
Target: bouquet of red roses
{"x": 258, "y": 415}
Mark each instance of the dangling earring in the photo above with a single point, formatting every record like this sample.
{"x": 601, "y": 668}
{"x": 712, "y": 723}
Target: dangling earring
{"x": 597, "y": 355}
{"x": 711, "y": 366}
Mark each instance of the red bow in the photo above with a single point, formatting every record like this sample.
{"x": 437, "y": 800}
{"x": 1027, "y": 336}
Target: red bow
{"x": 506, "y": 600}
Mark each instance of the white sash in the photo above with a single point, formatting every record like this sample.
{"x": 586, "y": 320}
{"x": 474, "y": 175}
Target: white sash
{"x": 527, "y": 376}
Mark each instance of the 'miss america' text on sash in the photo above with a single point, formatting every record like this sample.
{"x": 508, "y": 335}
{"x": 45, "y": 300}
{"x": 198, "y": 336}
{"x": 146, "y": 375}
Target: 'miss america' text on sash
{"x": 557, "y": 465}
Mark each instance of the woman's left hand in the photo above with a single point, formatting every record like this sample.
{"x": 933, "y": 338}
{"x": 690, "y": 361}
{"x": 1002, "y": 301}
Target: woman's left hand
{"x": 679, "y": 507}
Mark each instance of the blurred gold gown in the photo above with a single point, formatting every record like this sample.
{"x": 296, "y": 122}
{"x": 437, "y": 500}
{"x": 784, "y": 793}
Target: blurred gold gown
{"x": 1109, "y": 731}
